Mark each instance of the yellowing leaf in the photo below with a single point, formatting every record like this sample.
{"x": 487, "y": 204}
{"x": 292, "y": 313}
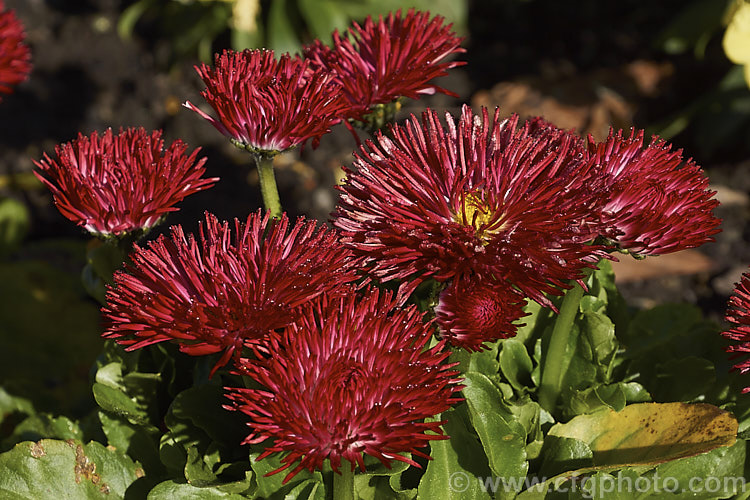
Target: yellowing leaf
{"x": 737, "y": 37}
{"x": 651, "y": 433}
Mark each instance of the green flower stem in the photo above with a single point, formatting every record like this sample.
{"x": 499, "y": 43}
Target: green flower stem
{"x": 268, "y": 184}
{"x": 343, "y": 484}
{"x": 555, "y": 358}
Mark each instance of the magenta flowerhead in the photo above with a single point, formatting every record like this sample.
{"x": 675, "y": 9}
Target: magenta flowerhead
{"x": 268, "y": 105}
{"x": 480, "y": 197}
{"x": 117, "y": 184}
{"x": 15, "y": 56}
{"x": 658, "y": 202}
{"x": 226, "y": 290}
{"x": 352, "y": 377}
{"x": 473, "y": 311}
{"x": 738, "y": 314}
{"x": 378, "y": 62}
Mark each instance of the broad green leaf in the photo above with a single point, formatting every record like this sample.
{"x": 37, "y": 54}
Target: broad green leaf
{"x": 486, "y": 361}
{"x": 712, "y": 475}
{"x": 457, "y": 465}
{"x": 12, "y": 404}
{"x": 516, "y": 364}
{"x": 14, "y": 224}
{"x": 140, "y": 443}
{"x": 171, "y": 490}
{"x": 563, "y": 454}
{"x": 503, "y": 437}
{"x": 374, "y": 482}
{"x": 202, "y": 406}
{"x": 683, "y": 380}
{"x": 57, "y": 470}
{"x": 594, "y": 398}
{"x": 272, "y": 486}
{"x": 43, "y": 426}
{"x": 651, "y": 433}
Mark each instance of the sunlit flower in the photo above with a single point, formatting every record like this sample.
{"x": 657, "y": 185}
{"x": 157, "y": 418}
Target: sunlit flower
{"x": 228, "y": 290}
{"x": 481, "y": 197}
{"x": 658, "y": 202}
{"x": 472, "y": 311}
{"x": 378, "y": 62}
{"x": 267, "y": 105}
{"x": 115, "y": 184}
{"x": 738, "y": 314}
{"x": 15, "y": 56}
{"x": 352, "y": 377}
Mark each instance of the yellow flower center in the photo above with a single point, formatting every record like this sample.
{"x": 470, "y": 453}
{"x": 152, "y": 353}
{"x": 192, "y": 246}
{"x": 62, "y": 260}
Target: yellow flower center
{"x": 478, "y": 214}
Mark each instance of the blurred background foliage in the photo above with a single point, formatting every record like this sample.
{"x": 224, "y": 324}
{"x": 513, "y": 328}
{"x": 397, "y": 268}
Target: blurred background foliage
{"x": 281, "y": 25}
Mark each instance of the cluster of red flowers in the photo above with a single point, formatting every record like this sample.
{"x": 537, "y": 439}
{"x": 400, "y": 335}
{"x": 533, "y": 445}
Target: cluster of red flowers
{"x": 266, "y": 105}
{"x": 498, "y": 211}
{"x": 15, "y": 56}
{"x": 493, "y": 210}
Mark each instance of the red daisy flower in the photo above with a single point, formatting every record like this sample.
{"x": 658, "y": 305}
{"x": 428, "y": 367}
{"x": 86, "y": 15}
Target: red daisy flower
{"x": 267, "y": 105}
{"x": 658, "y": 202}
{"x": 482, "y": 197}
{"x": 738, "y": 314}
{"x": 379, "y": 62}
{"x": 353, "y": 376}
{"x": 227, "y": 291}
{"x": 116, "y": 184}
{"x": 473, "y": 311}
{"x": 15, "y": 56}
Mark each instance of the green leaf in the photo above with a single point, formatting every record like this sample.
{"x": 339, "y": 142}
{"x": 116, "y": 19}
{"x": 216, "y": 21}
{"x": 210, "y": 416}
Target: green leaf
{"x": 43, "y": 426}
{"x": 140, "y": 443}
{"x": 651, "y": 433}
{"x": 456, "y": 465}
{"x": 594, "y": 398}
{"x": 202, "y": 407}
{"x": 14, "y": 224}
{"x": 51, "y": 469}
{"x": 683, "y": 379}
{"x": 503, "y": 437}
{"x": 374, "y": 482}
{"x": 171, "y": 490}
{"x": 282, "y": 35}
{"x": 516, "y": 364}
{"x": 563, "y": 454}
{"x": 273, "y": 486}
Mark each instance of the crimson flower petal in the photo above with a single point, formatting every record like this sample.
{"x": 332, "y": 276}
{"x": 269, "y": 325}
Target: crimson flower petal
{"x": 738, "y": 314}
{"x": 15, "y": 56}
{"x": 268, "y": 105}
{"x": 228, "y": 290}
{"x": 480, "y": 197}
{"x": 658, "y": 203}
{"x": 352, "y": 377}
{"x": 378, "y": 62}
{"x": 115, "y": 184}
{"x": 472, "y": 311}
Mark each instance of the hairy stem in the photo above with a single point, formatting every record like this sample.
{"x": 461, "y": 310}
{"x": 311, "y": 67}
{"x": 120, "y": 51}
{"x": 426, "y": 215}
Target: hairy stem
{"x": 268, "y": 188}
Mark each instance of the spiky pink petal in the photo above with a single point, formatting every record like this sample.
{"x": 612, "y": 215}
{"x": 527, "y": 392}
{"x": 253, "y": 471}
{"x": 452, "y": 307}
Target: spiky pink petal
{"x": 227, "y": 290}
{"x": 378, "y": 62}
{"x": 15, "y": 56}
{"x": 268, "y": 105}
{"x": 352, "y": 377}
{"x": 114, "y": 184}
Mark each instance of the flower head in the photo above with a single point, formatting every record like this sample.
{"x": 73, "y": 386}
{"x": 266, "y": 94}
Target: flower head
{"x": 351, "y": 377}
{"x": 226, "y": 291}
{"x": 483, "y": 197}
{"x": 658, "y": 202}
{"x": 738, "y": 314}
{"x": 267, "y": 105}
{"x": 378, "y": 62}
{"x": 15, "y": 56}
{"x": 472, "y": 311}
{"x": 115, "y": 184}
